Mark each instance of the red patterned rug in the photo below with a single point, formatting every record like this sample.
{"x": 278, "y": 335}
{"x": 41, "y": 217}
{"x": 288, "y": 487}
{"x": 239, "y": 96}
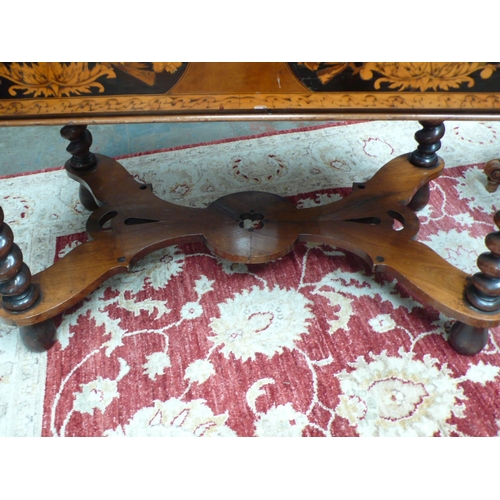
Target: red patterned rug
{"x": 313, "y": 344}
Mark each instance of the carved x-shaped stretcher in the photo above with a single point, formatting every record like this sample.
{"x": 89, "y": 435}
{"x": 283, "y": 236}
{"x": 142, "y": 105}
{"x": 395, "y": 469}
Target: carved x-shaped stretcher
{"x": 253, "y": 227}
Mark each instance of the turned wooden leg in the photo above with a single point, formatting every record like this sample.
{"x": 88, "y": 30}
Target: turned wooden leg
{"x": 429, "y": 142}
{"x": 17, "y": 292}
{"x": 484, "y": 289}
{"x": 483, "y": 293}
{"x": 492, "y": 171}
{"x": 82, "y": 159}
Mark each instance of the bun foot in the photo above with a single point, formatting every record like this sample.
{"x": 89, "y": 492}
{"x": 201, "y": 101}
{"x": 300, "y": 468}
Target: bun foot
{"x": 467, "y": 339}
{"x": 39, "y": 337}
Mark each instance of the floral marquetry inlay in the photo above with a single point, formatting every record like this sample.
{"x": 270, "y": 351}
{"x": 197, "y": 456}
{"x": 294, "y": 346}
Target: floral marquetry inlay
{"x": 425, "y": 76}
{"x": 415, "y": 76}
{"x": 56, "y": 79}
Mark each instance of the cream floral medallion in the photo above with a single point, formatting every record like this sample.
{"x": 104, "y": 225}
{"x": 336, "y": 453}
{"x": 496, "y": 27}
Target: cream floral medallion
{"x": 261, "y": 321}
{"x": 400, "y": 396}
{"x": 175, "y": 418}
{"x": 282, "y": 421}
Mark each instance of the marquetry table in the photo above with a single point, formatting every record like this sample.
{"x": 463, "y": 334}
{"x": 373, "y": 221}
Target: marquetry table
{"x": 250, "y": 227}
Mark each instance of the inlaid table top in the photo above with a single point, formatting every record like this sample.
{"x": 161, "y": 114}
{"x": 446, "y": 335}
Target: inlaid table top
{"x": 58, "y": 93}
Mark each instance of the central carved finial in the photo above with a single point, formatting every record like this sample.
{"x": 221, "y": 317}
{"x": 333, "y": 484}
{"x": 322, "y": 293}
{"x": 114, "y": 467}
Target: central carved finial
{"x": 251, "y": 221}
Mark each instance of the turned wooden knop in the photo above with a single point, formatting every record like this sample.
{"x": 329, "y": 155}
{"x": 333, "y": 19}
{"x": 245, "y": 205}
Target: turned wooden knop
{"x": 428, "y": 144}
{"x": 80, "y": 141}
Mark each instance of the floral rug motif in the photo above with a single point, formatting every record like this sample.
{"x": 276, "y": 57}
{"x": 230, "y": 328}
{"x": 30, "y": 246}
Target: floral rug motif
{"x": 312, "y": 344}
